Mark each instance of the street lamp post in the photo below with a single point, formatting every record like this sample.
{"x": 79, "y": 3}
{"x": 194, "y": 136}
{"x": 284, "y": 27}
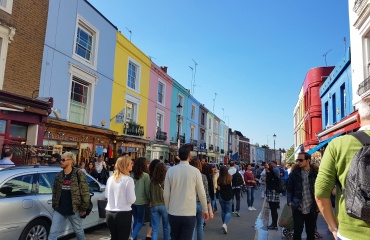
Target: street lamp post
{"x": 274, "y": 136}
{"x": 179, "y": 108}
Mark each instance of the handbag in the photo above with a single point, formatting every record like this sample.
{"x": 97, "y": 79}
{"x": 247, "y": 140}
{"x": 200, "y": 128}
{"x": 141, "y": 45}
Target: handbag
{"x": 102, "y": 204}
{"x": 286, "y": 218}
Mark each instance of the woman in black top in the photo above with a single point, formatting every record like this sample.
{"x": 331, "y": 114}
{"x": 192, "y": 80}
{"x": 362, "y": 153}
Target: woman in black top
{"x": 272, "y": 196}
{"x": 90, "y": 169}
{"x": 226, "y": 195}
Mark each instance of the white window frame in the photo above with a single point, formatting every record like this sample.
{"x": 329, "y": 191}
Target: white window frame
{"x": 136, "y": 101}
{"x": 192, "y": 131}
{"x": 6, "y": 35}
{"x": 159, "y": 111}
{"x": 163, "y": 103}
{"x": 181, "y": 101}
{"x": 93, "y": 62}
{"x": 89, "y": 78}
{"x": 193, "y": 109}
{"x": 9, "y": 6}
{"x": 209, "y": 123}
{"x": 138, "y": 75}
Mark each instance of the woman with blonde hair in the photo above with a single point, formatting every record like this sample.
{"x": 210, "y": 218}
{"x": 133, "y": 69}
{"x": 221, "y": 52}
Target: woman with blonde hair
{"x": 120, "y": 193}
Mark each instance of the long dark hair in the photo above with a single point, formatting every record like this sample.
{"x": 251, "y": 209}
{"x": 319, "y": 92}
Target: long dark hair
{"x": 207, "y": 170}
{"x": 139, "y": 167}
{"x": 195, "y": 162}
{"x": 225, "y": 177}
{"x": 88, "y": 169}
{"x": 152, "y": 166}
{"x": 159, "y": 173}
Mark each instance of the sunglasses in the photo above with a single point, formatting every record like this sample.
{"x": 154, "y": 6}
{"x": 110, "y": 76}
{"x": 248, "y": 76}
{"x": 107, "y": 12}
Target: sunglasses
{"x": 64, "y": 159}
{"x": 299, "y": 160}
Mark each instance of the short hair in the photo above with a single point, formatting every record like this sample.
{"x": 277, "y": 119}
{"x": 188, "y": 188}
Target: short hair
{"x": 232, "y": 163}
{"x": 8, "y": 154}
{"x": 273, "y": 161}
{"x": 363, "y": 107}
{"x": 70, "y": 155}
{"x": 184, "y": 152}
{"x": 307, "y": 156}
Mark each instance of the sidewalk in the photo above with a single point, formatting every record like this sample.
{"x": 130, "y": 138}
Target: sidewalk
{"x": 322, "y": 227}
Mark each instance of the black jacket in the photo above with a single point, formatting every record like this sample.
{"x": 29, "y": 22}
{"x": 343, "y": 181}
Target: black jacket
{"x": 295, "y": 190}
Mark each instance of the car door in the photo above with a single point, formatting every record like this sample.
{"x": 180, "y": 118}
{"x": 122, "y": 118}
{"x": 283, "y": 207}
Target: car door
{"x": 18, "y": 204}
{"x": 94, "y": 187}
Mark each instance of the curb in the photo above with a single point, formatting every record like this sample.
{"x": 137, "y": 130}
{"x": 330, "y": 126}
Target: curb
{"x": 262, "y": 222}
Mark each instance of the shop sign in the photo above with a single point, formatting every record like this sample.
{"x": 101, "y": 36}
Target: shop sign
{"x": 65, "y": 137}
{"x": 120, "y": 117}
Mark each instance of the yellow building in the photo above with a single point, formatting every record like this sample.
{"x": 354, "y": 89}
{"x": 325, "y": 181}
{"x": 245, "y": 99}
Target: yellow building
{"x": 130, "y": 97}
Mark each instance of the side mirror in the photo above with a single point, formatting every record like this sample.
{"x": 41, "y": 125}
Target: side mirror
{"x": 102, "y": 188}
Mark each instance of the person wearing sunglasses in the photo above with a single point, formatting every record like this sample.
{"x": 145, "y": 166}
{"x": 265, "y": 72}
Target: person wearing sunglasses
{"x": 300, "y": 196}
{"x": 71, "y": 198}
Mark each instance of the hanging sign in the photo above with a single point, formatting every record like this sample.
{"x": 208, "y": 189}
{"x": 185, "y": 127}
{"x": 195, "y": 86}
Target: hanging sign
{"x": 120, "y": 117}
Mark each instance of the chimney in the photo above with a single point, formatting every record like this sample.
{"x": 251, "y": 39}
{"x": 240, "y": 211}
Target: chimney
{"x": 164, "y": 69}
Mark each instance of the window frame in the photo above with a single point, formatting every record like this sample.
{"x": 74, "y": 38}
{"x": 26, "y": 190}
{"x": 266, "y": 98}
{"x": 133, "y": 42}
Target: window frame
{"x": 136, "y": 103}
{"x": 91, "y": 79}
{"x": 137, "y": 77}
{"x": 6, "y": 35}
{"x": 9, "y": 6}
{"x": 93, "y": 62}
{"x": 160, "y": 82}
{"x": 162, "y": 113}
{"x": 193, "y": 109}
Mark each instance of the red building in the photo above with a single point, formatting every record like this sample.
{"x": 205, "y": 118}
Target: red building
{"x": 312, "y": 104}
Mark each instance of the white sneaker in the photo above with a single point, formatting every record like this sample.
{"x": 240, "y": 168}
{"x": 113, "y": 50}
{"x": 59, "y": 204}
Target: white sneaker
{"x": 253, "y": 209}
{"x": 250, "y": 209}
{"x": 224, "y": 228}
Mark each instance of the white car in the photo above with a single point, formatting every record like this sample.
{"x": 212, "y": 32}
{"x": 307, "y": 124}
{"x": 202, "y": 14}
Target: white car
{"x": 25, "y": 202}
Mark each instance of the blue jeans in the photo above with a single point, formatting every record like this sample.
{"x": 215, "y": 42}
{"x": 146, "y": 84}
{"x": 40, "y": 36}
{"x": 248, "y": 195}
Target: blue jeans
{"x": 182, "y": 227}
{"x": 159, "y": 212}
{"x": 199, "y": 224}
{"x": 59, "y": 220}
{"x": 250, "y": 196}
{"x": 213, "y": 203}
{"x": 226, "y": 210}
{"x": 138, "y": 212}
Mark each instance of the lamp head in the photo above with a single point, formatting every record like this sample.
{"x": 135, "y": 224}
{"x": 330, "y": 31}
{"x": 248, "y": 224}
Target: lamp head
{"x": 179, "y": 107}
{"x": 274, "y": 136}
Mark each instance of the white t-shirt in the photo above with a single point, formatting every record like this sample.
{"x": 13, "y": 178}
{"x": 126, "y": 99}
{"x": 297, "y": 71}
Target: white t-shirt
{"x": 120, "y": 193}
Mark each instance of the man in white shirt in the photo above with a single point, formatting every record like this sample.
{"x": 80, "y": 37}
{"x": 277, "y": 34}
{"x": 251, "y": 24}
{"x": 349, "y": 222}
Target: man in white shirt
{"x": 181, "y": 186}
{"x": 7, "y": 160}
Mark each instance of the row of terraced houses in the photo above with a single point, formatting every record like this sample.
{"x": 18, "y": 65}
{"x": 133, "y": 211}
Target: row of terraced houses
{"x": 71, "y": 81}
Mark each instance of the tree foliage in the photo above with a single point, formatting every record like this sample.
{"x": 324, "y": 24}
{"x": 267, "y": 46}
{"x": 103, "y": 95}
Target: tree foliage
{"x": 290, "y": 151}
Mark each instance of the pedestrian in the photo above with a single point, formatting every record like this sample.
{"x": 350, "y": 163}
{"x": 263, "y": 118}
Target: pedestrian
{"x": 300, "y": 196}
{"x": 284, "y": 177}
{"x": 182, "y": 184}
{"x": 55, "y": 159}
{"x": 120, "y": 193}
{"x": 195, "y": 162}
{"x": 101, "y": 168}
{"x": 158, "y": 208}
{"x": 215, "y": 191}
{"x": 262, "y": 180}
{"x": 226, "y": 196}
{"x": 142, "y": 192}
{"x": 236, "y": 189}
{"x": 333, "y": 170}
{"x": 7, "y": 160}
{"x": 250, "y": 183}
{"x": 70, "y": 198}
{"x": 90, "y": 169}
{"x": 152, "y": 166}
{"x": 83, "y": 167}
{"x": 272, "y": 196}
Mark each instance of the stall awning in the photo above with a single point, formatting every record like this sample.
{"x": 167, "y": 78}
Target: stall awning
{"x": 322, "y": 144}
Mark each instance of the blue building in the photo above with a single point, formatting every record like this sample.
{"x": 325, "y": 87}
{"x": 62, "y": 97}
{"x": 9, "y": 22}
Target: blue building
{"x": 78, "y": 62}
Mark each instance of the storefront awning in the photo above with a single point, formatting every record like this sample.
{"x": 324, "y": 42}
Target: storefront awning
{"x": 322, "y": 144}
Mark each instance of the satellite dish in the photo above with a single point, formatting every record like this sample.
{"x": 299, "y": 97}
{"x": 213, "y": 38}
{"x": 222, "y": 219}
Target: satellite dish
{"x": 57, "y": 113}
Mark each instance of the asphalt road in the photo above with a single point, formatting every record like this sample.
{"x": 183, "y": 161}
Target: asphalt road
{"x": 238, "y": 228}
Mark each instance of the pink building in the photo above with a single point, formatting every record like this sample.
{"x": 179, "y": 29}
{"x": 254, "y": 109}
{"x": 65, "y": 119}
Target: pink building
{"x": 159, "y": 112}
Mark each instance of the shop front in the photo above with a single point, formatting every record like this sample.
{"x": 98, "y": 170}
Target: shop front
{"x": 87, "y": 142}
{"x": 22, "y": 124}
{"x": 132, "y": 146}
{"x": 157, "y": 150}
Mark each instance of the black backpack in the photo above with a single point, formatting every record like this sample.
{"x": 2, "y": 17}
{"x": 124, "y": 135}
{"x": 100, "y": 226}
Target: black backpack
{"x": 357, "y": 185}
{"x": 237, "y": 180}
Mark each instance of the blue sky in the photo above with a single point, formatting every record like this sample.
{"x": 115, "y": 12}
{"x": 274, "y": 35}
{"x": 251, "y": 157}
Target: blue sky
{"x": 253, "y": 54}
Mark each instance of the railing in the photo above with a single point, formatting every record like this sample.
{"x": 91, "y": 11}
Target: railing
{"x": 364, "y": 86}
{"x": 160, "y": 135}
{"x": 134, "y": 129}
{"x": 210, "y": 147}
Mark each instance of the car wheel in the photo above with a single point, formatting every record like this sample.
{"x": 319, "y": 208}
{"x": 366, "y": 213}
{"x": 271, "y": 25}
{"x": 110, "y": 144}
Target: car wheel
{"x": 36, "y": 230}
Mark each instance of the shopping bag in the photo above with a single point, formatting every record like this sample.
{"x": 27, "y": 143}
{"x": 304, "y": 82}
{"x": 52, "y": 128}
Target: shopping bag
{"x": 102, "y": 204}
{"x": 286, "y": 218}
